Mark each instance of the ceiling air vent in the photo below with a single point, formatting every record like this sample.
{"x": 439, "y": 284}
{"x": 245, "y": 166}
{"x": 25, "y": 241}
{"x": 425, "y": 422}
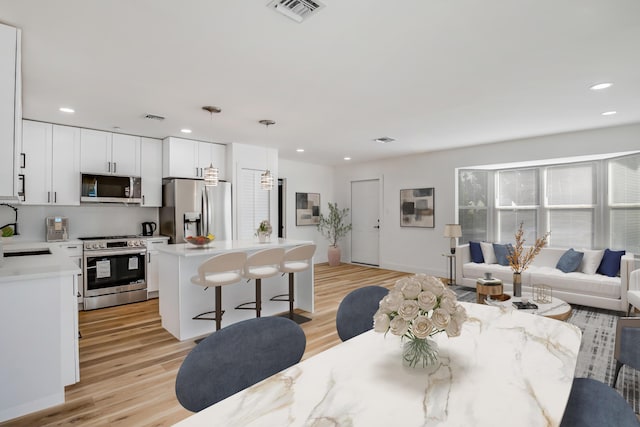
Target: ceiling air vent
{"x": 298, "y": 10}
{"x": 384, "y": 140}
{"x": 153, "y": 117}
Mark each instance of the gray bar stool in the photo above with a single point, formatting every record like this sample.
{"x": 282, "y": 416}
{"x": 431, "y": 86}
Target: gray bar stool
{"x": 295, "y": 260}
{"x": 261, "y": 265}
{"x": 220, "y": 270}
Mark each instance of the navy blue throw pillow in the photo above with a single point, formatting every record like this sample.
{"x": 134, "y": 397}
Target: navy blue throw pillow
{"x": 476, "y": 252}
{"x": 610, "y": 264}
{"x": 569, "y": 261}
{"x": 501, "y": 252}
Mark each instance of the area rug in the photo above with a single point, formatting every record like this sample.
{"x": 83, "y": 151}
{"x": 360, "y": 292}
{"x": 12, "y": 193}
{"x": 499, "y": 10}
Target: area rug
{"x": 595, "y": 359}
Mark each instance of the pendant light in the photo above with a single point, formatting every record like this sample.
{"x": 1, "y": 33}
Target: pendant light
{"x": 211, "y": 173}
{"x": 266, "y": 179}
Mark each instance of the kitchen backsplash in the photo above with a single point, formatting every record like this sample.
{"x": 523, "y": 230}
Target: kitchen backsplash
{"x": 84, "y": 221}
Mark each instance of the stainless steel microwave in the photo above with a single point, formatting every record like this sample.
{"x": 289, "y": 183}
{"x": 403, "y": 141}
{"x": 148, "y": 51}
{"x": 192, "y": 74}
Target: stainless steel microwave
{"x": 110, "y": 189}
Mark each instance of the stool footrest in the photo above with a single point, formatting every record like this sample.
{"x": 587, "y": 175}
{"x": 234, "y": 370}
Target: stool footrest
{"x": 201, "y": 316}
{"x": 283, "y": 297}
{"x": 242, "y": 306}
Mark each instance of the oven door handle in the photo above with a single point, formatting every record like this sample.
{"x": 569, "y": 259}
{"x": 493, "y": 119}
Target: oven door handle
{"x": 95, "y": 254}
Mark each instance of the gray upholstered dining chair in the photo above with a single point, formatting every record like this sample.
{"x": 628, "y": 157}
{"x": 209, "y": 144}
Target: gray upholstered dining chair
{"x": 595, "y": 404}
{"x": 236, "y": 357}
{"x": 355, "y": 312}
{"x": 627, "y": 346}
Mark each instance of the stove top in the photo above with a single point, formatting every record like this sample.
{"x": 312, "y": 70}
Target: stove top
{"x": 108, "y": 237}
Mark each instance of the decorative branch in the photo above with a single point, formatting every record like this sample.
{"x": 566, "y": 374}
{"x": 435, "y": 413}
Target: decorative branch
{"x": 519, "y": 258}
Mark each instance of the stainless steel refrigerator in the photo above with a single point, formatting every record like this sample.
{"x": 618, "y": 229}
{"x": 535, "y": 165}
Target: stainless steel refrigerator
{"x": 191, "y": 209}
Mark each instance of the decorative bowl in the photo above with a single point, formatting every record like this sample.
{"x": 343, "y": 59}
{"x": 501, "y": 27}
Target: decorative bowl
{"x": 199, "y": 240}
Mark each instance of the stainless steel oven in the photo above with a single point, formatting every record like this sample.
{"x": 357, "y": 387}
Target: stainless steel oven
{"x": 115, "y": 271}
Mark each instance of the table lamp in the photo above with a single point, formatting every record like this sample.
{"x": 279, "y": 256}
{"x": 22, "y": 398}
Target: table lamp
{"x": 453, "y": 231}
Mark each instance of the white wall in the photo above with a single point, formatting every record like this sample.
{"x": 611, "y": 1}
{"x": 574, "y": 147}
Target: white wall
{"x": 307, "y": 178}
{"x": 421, "y": 249}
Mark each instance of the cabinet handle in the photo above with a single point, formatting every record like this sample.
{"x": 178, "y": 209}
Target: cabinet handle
{"x": 108, "y": 166}
{"x": 48, "y": 196}
{"x": 143, "y": 199}
{"x": 78, "y": 295}
{"x": 197, "y": 171}
{"x": 115, "y": 165}
{"x": 21, "y": 191}
{"x": 72, "y": 247}
{"x": 55, "y": 197}
{"x": 24, "y": 160}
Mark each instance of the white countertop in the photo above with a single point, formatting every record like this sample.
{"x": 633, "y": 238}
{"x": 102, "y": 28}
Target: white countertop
{"x": 217, "y": 247}
{"x": 35, "y": 266}
{"x": 506, "y": 368}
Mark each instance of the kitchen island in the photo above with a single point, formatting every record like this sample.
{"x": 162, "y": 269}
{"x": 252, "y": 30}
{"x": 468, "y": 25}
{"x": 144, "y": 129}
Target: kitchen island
{"x": 38, "y": 328}
{"x": 181, "y": 300}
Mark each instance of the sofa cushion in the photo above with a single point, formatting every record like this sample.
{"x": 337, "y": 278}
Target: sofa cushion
{"x": 610, "y": 264}
{"x": 590, "y": 261}
{"x": 487, "y": 253}
{"x": 501, "y": 252}
{"x": 569, "y": 261}
{"x": 577, "y": 282}
{"x": 476, "y": 252}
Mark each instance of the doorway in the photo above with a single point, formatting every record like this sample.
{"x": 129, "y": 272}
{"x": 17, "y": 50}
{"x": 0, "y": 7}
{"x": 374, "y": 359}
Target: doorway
{"x": 282, "y": 202}
{"x": 365, "y": 220}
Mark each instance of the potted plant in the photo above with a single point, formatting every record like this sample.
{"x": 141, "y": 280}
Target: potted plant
{"x": 333, "y": 228}
{"x": 264, "y": 231}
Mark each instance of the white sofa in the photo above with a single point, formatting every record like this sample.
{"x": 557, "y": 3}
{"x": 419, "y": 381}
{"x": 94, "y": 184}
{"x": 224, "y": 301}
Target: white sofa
{"x": 594, "y": 290}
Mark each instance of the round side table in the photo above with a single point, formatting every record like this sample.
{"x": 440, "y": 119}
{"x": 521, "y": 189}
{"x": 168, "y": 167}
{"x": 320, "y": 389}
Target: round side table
{"x": 485, "y": 287}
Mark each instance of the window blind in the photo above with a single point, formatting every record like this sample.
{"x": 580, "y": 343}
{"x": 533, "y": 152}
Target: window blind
{"x": 253, "y": 203}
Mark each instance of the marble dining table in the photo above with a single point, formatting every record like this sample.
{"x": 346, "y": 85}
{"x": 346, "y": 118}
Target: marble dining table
{"x": 507, "y": 368}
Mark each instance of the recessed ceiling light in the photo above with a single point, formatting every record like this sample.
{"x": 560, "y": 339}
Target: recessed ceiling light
{"x": 347, "y": 158}
{"x": 601, "y": 86}
{"x": 384, "y": 139}
{"x": 185, "y": 130}
{"x": 300, "y": 150}
{"x": 67, "y": 110}
{"x": 609, "y": 113}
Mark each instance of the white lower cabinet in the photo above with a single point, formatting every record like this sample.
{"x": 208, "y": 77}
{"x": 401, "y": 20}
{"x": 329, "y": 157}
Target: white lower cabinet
{"x": 39, "y": 343}
{"x": 152, "y": 265}
{"x": 74, "y": 252}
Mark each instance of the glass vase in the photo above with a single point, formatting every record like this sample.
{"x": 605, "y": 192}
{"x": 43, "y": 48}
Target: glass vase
{"x": 420, "y": 353}
{"x": 517, "y": 285}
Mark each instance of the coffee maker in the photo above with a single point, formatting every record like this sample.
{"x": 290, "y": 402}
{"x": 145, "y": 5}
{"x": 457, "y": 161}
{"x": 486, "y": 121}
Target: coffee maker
{"x": 148, "y": 228}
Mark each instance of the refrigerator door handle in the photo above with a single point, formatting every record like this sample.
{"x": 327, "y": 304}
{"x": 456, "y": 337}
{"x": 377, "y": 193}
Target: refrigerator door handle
{"x": 206, "y": 211}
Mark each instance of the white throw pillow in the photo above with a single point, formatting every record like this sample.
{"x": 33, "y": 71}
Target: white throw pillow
{"x": 489, "y": 255}
{"x": 590, "y": 261}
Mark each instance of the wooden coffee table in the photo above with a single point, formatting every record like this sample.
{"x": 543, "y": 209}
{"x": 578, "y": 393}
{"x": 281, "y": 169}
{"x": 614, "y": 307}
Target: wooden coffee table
{"x": 558, "y": 309}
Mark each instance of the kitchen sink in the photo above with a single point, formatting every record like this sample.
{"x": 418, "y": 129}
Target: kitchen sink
{"x": 27, "y": 252}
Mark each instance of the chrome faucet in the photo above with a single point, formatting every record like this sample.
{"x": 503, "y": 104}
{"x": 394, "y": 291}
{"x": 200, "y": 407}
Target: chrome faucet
{"x": 14, "y": 224}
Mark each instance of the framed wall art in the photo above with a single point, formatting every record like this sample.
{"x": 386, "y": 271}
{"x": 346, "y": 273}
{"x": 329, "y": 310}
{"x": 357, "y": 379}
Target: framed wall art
{"x": 307, "y": 208}
{"x": 417, "y": 208}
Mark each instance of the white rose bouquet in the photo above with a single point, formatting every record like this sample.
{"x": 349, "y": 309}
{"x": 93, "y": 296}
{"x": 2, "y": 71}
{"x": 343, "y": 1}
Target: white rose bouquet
{"x": 417, "y": 308}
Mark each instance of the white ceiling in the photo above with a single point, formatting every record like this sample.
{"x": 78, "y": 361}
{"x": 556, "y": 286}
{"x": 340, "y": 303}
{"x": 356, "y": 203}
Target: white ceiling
{"x": 432, "y": 74}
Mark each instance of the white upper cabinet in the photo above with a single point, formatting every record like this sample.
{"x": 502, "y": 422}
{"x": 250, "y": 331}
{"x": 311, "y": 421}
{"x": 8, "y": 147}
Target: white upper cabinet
{"x": 151, "y": 172}
{"x": 212, "y": 154}
{"x": 185, "y": 158}
{"x": 125, "y": 154}
{"x": 10, "y": 108}
{"x": 109, "y": 153}
{"x": 50, "y": 166}
{"x": 178, "y": 158}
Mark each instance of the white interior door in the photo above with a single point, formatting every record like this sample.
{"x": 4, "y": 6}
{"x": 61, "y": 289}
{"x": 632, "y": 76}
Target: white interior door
{"x": 365, "y": 220}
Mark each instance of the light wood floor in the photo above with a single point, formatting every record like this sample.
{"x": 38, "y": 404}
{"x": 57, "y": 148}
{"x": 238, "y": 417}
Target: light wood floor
{"x": 128, "y": 362}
